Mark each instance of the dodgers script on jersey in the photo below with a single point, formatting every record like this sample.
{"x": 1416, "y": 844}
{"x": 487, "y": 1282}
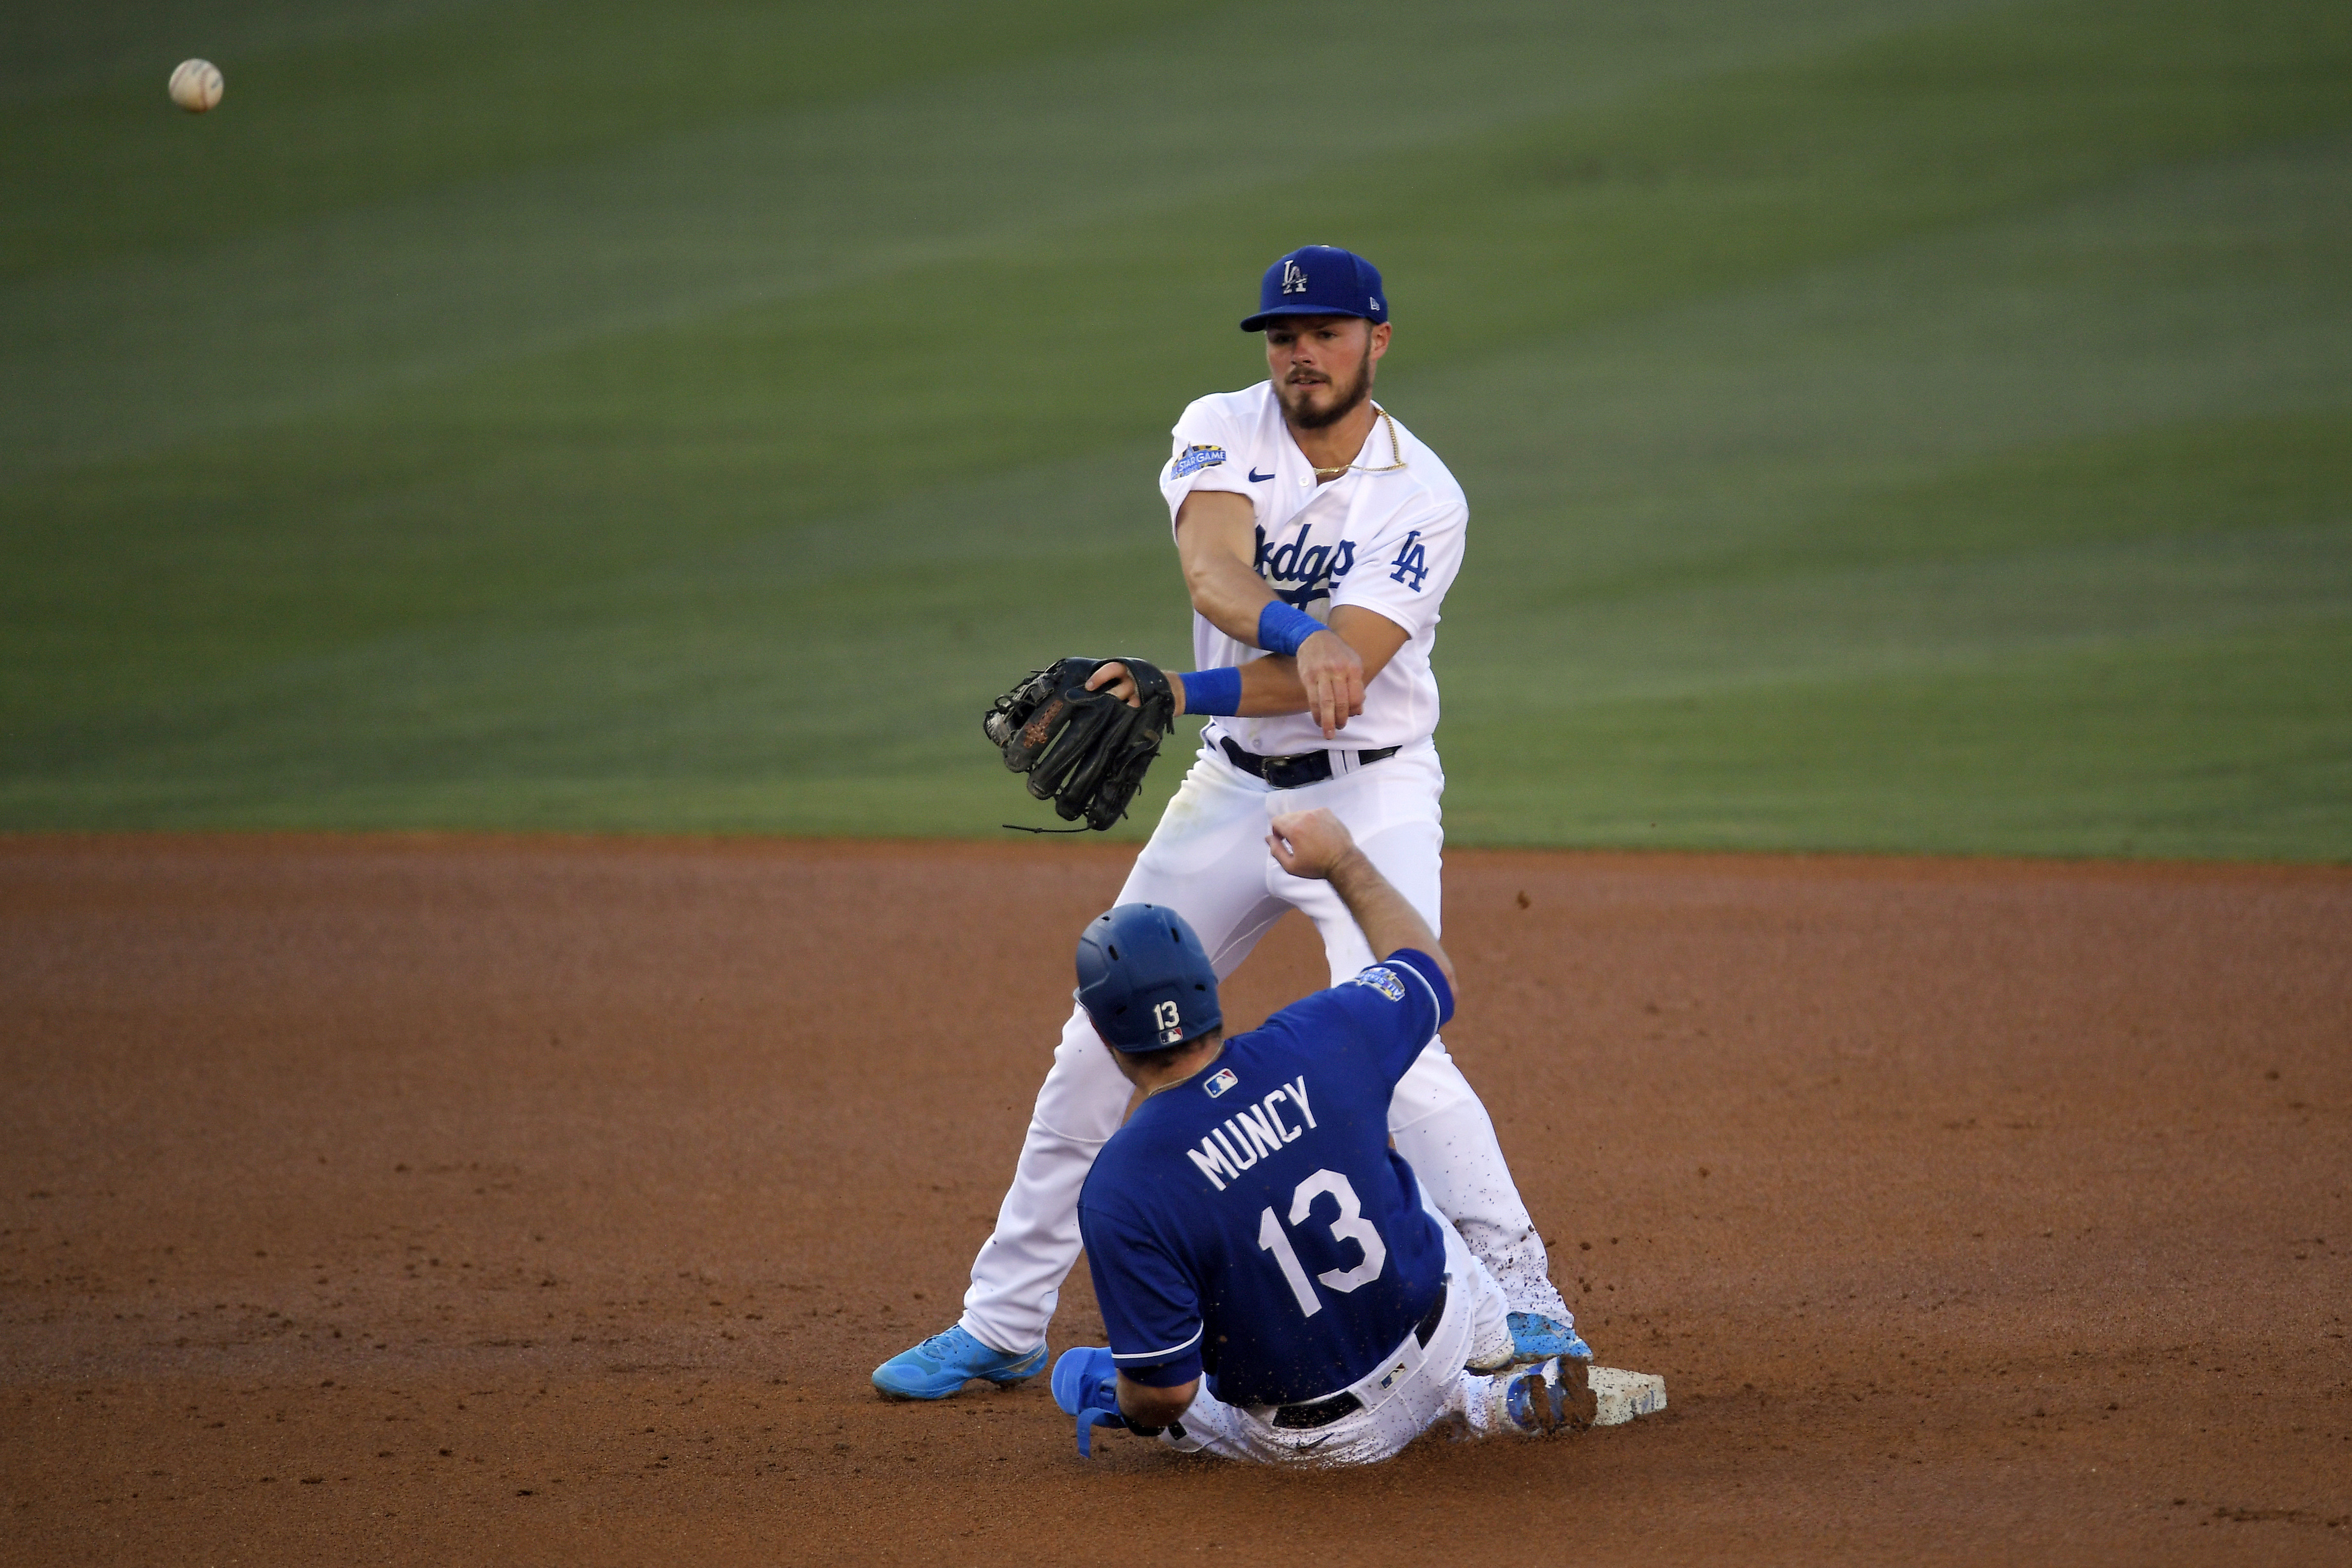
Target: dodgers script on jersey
{"x": 1390, "y": 543}
{"x": 1252, "y": 1223}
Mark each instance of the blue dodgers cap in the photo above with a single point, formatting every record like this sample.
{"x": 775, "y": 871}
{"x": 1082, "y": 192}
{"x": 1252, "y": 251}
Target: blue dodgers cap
{"x": 1320, "y": 280}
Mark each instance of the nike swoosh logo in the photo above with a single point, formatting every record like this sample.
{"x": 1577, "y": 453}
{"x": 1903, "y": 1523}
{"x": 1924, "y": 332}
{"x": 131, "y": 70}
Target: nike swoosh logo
{"x": 1258, "y": 478}
{"x": 1309, "y": 1448}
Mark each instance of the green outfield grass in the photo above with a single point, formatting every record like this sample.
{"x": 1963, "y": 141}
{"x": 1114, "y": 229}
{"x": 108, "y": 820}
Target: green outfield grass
{"x": 1914, "y": 425}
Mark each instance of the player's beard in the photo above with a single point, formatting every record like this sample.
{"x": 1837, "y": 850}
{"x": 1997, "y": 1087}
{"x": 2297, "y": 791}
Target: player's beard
{"x": 1345, "y": 398}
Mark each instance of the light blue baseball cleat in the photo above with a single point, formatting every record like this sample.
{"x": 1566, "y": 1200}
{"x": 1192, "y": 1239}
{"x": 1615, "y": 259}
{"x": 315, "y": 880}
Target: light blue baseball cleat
{"x": 943, "y": 1363}
{"x": 1535, "y": 1337}
{"x": 1553, "y": 1397}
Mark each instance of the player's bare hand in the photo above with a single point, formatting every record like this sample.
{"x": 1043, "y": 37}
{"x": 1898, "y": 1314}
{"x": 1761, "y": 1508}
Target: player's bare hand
{"x": 1334, "y": 678}
{"x": 1309, "y": 843}
{"x": 1122, "y": 685}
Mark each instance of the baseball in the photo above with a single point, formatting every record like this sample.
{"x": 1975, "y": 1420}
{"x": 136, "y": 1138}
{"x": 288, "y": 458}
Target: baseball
{"x": 196, "y": 86}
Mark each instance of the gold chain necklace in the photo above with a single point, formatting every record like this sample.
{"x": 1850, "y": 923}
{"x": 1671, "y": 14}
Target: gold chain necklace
{"x": 1395, "y": 452}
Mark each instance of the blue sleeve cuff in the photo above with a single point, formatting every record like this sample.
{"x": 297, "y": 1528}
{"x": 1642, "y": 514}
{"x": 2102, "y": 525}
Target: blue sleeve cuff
{"x": 1182, "y": 1370}
{"x": 1422, "y": 964}
{"x": 1217, "y": 693}
{"x": 1281, "y": 628}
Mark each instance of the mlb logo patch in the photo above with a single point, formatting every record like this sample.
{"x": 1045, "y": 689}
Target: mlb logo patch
{"x": 1220, "y": 1080}
{"x": 1383, "y": 981}
{"x": 1394, "y": 1373}
{"x": 1192, "y": 459}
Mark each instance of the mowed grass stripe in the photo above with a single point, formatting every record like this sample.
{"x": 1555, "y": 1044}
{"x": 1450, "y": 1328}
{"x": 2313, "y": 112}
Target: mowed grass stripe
{"x": 381, "y": 109}
{"x": 363, "y": 298}
{"x": 1679, "y": 403}
{"x": 1986, "y": 392}
{"x": 606, "y": 460}
{"x": 2231, "y": 745}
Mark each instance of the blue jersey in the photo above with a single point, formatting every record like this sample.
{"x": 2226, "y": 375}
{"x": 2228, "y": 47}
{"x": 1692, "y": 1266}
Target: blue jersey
{"x": 1252, "y": 1222}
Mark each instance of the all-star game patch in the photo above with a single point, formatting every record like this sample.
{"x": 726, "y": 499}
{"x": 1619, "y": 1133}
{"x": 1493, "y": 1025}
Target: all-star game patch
{"x": 1192, "y": 459}
{"x": 1383, "y": 981}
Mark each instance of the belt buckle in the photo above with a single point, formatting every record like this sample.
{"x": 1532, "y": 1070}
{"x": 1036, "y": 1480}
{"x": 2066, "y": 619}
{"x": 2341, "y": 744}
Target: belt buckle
{"x": 1284, "y": 765}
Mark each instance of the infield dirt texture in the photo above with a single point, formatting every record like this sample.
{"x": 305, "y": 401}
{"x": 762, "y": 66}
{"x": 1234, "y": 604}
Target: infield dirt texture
{"x": 550, "y": 1201}
{"x": 1921, "y": 427}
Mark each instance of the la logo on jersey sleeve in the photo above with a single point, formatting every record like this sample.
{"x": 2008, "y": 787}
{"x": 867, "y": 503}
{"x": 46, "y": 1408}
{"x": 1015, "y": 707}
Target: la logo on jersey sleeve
{"x": 1412, "y": 562}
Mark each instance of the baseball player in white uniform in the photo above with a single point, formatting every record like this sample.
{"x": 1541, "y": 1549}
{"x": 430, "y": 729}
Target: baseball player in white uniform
{"x": 1318, "y": 537}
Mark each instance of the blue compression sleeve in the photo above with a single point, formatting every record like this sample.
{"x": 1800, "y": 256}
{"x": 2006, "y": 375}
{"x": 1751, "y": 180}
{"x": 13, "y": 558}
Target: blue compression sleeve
{"x": 1281, "y": 628}
{"x": 1213, "y": 692}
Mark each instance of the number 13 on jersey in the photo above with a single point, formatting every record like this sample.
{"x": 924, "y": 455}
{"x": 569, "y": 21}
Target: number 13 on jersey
{"x": 1351, "y": 1225}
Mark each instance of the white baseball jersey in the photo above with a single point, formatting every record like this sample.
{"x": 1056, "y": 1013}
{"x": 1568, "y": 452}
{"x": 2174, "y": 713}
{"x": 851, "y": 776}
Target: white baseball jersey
{"x": 1388, "y": 541}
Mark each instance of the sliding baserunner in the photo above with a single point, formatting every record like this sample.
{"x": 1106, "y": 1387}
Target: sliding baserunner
{"x": 1274, "y": 1285}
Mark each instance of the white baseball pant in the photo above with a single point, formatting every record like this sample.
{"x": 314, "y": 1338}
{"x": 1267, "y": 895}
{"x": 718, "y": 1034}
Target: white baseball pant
{"x": 1208, "y": 861}
{"x": 1424, "y": 1385}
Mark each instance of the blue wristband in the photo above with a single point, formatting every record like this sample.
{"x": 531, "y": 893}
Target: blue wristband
{"x": 1280, "y": 628}
{"x": 1212, "y": 692}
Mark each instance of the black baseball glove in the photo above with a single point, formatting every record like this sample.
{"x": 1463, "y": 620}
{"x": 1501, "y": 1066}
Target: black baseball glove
{"x": 1085, "y": 751}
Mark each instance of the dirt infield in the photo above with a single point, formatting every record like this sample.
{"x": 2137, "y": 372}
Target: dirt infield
{"x": 472, "y": 1200}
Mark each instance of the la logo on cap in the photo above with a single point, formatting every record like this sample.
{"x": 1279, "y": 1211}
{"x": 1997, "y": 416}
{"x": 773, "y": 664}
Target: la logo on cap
{"x": 1340, "y": 283}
